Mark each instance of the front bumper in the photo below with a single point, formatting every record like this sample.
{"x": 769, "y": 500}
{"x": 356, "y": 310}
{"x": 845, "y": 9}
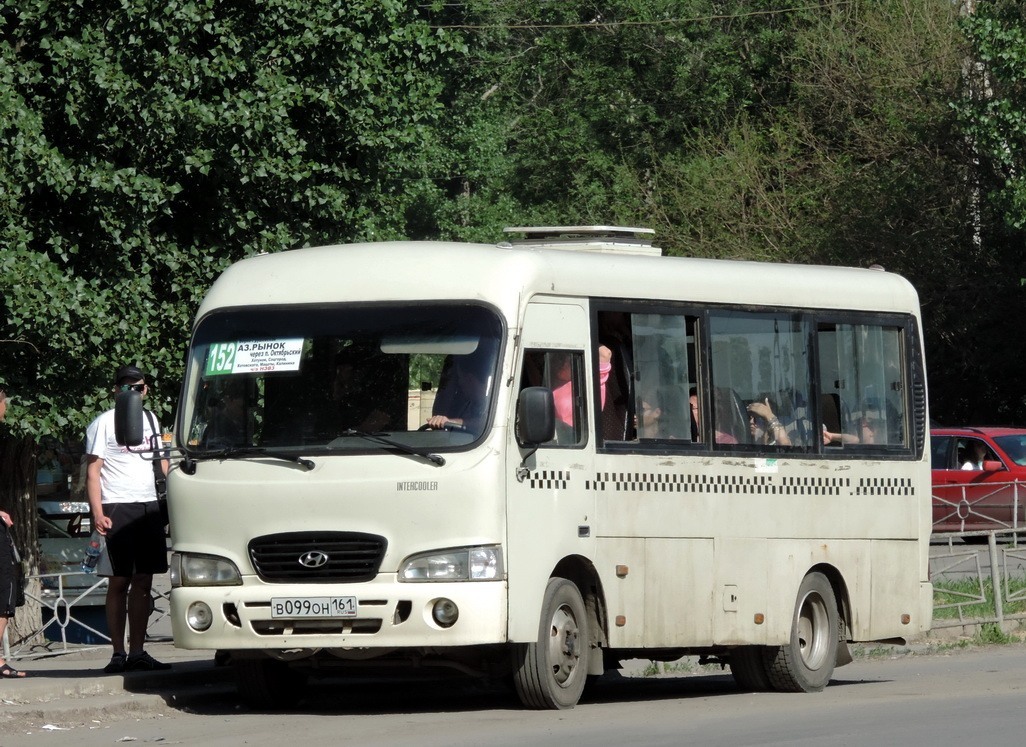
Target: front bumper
{"x": 390, "y": 615}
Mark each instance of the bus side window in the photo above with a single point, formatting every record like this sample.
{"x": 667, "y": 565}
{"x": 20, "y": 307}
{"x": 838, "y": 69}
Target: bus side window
{"x": 562, "y": 371}
{"x": 861, "y": 372}
{"x": 761, "y": 380}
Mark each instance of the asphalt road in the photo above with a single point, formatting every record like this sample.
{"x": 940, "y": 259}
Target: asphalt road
{"x": 952, "y": 697}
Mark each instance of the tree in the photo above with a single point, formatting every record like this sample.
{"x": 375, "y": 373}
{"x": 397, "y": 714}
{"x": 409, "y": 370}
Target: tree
{"x": 993, "y": 109}
{"x": 149, "y": 144}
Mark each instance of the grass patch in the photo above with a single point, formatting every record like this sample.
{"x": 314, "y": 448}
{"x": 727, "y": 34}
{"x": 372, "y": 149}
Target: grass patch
{"x": 992, "y": 633}
{"x": 877, "y": 652}
{"x": 687, "y": 665}
{"x": 965, "y": 593}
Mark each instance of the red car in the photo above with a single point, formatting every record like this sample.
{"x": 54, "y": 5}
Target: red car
{"x": 979, "y": 478}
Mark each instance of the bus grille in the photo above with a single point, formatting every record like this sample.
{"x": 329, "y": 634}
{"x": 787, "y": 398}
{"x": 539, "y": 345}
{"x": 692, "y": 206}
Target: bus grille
{"x": 317, "y": 557}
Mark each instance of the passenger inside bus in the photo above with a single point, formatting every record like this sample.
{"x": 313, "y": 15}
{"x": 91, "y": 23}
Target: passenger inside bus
{"x": 647, "y": 419}
{"x": 730, "y": 418}
{"x": 353, "y": 396}
{"x": 562, "y": 391}
{"x": 462, "y": 400}
{"x": 833, "y": 434}
{"x": 696, "y": 432}
{"x": 227, "y": 421}
{"x": 765, "y": 427}
{"x": 662, "y": 415}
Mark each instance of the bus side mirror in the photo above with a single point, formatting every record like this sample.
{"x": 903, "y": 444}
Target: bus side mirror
{"x": 536, "y": 416}
{"x": 128, "y": 418}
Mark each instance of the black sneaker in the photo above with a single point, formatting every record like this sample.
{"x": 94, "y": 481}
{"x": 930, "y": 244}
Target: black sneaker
{"x": 143, "y": 662}
{"x": 116, "y": 665}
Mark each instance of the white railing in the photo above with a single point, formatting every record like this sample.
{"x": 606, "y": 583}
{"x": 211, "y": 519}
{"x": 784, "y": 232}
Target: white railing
{"x": 61, "y": 602}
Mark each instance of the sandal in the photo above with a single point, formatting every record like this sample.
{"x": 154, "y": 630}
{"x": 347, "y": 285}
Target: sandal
{"x": 7, "y": 671}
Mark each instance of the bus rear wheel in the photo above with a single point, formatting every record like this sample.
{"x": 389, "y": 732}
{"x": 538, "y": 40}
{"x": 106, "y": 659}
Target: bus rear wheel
{"x": 551, "y": 672}
{"x": 806, "y": 663}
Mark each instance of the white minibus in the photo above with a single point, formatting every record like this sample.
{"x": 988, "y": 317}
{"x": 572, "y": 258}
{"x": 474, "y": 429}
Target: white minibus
{"x": 538, "y": 458}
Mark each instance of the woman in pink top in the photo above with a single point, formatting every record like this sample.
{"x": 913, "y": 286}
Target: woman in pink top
{"x": 563, "y": 394}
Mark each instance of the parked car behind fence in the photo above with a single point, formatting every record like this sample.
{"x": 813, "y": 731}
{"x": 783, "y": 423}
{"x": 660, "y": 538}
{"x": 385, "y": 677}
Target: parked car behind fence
{"x": 987, "y": 493}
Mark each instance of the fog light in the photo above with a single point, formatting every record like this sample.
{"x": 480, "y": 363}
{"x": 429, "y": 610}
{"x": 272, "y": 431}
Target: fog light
{"x": 199, "y": 616}
{"x": 445, "y": 612}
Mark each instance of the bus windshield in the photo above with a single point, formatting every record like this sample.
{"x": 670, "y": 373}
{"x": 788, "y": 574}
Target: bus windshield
{"x": 325, "y": 378}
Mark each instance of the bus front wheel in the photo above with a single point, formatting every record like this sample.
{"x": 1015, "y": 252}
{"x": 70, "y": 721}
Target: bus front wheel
{"x": 806, "y": 663}
{"x": 551, "y": 672}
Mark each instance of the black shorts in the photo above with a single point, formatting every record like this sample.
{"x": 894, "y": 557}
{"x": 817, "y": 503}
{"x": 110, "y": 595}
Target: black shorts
{"x": 135, "y": 542}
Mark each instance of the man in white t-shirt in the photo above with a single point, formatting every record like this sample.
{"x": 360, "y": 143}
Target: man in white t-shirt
{"x": 123, "y": 502}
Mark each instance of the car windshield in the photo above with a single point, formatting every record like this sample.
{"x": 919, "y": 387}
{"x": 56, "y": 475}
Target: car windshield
{"x": 1014, "y": 446}
{"x": 303, "y": 379}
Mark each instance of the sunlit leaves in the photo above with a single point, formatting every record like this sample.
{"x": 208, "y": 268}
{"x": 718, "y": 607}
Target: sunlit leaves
{"x": 149, "y": 144}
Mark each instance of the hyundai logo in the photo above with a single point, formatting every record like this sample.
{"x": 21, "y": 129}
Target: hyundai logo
{"x": 313, "y": 559}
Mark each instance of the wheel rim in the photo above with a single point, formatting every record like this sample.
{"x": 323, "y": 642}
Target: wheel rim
{"x": 564, "y": 652}
{"x": 813, "y": 630}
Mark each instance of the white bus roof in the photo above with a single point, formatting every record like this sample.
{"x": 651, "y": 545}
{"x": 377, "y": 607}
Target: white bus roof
{"x": 504, "y": 274}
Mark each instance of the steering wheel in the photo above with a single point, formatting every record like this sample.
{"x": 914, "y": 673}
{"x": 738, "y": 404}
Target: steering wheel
{"x": 450, "y": 426}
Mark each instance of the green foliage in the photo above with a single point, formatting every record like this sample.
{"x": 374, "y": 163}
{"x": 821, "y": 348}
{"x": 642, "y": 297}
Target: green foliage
{"x": 993, "y": 112}
{"x": 957, "y": 598}
{"x": 150, "y": 144}
{"x": 992, "y": 633}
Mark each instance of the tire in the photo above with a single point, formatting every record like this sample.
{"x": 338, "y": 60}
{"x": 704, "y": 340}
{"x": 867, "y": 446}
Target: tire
{"x": 551, "y": 673}
{"x": 748, "y": 666}
{"x": 806, "y": 663}
{"x": 267, "y": 684}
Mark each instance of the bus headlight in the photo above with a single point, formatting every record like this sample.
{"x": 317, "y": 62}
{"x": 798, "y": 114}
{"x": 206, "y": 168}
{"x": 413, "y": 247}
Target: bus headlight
{"x": 203, "y": 570}
{"x": 458, "y": 564}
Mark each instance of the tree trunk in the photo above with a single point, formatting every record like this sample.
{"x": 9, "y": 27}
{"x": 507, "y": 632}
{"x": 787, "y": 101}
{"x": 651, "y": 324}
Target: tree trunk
{"x": 18, "y": 498}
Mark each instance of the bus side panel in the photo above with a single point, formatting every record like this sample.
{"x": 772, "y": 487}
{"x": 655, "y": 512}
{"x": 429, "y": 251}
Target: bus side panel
{"x": 896, "y": 592}
{"x": 742, "y": 587}
{"x": 683, "y": 608}
{"x": 621, "y": 563}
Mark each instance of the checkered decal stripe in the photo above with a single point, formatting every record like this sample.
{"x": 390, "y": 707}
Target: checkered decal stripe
{"x": 645, "y": 482}
{"x": 885, "y": 486}
{"x": 734, "y": 484}
{"x": 550, "y": 480}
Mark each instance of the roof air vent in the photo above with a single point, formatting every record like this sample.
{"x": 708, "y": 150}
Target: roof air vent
{"x": 613, "y": 239}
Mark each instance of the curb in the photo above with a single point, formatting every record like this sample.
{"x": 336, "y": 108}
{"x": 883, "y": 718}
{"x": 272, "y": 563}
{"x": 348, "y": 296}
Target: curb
{"x": 58, "y": 702}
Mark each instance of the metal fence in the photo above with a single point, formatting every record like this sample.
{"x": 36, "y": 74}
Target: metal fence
{"x": 61, "y": 625}
{"x": 962, "y": 564}
{"x": 980, "y": 505}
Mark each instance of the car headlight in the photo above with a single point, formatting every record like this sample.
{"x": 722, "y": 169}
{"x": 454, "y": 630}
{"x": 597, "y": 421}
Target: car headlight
{"x": 203, "y": 570}
{"x": 458, "y": 564}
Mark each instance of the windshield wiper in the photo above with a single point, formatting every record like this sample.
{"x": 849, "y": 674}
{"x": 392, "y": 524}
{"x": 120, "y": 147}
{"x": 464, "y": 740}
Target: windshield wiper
{"x": 385, "y": 441}
{"x": 240, "y": 452}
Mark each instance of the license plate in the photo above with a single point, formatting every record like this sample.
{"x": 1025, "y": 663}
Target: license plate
{"x": 313, "y": 607}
